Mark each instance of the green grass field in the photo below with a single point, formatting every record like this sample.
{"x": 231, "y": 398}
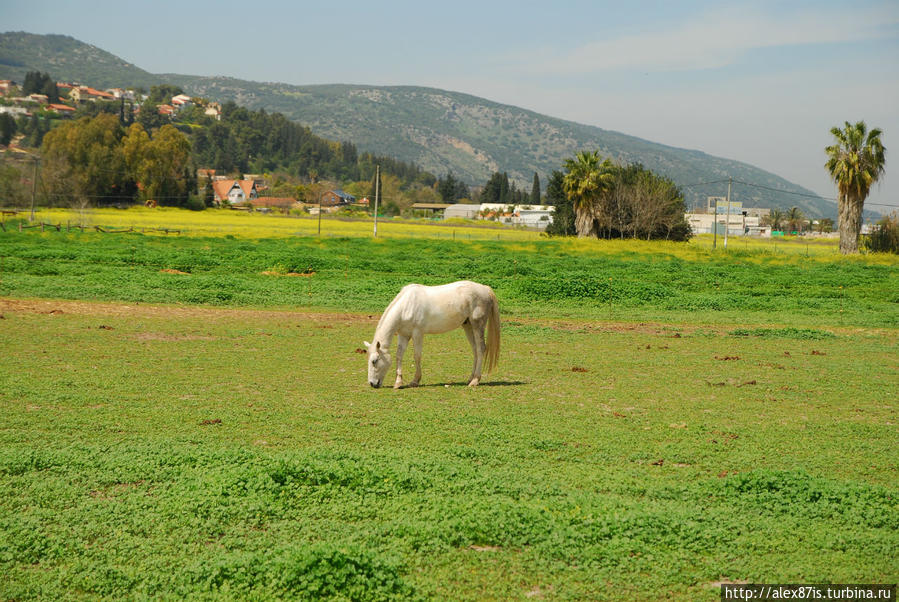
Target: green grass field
{"x": 184, "y": 419}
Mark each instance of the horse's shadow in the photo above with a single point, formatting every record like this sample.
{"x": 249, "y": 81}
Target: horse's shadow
{"x": 495, "y": 383}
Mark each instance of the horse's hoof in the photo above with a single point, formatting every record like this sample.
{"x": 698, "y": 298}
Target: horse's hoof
{"x": 413, "y": 383}
{"x": 474, "y": 382}
{"x": 398, "y": 384}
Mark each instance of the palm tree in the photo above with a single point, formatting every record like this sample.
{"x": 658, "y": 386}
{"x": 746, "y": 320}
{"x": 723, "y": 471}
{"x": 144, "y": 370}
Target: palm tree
{"x": 795, "y": 219}
{"x": 775, "y": 218}
{"x": 584, "y": 182}
{"x": 855, "y": 162}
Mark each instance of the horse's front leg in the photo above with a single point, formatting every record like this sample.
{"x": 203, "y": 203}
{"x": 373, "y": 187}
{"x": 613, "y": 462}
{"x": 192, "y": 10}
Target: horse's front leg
{"x": 401, "y": 343}
{"x": 417, "y": 341}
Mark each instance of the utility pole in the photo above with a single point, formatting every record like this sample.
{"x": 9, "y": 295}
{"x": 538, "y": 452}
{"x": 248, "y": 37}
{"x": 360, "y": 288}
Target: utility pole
{"x": 377, "y": 193}
{"x": 320, "y": 213}
{"x": 33, "y": 189}
{"x": 715, "y": 226}
{"x": 727, "y": 219}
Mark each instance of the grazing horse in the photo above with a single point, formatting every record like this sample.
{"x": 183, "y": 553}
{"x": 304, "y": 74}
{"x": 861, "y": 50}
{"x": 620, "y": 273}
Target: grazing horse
{"x": 419, "y": 310}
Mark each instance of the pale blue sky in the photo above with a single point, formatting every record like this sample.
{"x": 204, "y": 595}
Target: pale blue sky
{"x": 761, "y": 82}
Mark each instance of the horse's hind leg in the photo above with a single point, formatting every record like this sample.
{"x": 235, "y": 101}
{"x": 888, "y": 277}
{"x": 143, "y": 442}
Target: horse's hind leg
{"x": 417, "y": 342}
{"x": 477, "y": 330}
{"x": 469, "y": 332}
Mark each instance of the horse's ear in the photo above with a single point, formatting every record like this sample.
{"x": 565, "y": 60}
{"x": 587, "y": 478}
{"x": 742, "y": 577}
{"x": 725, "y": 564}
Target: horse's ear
{"x": 367, "y": 344}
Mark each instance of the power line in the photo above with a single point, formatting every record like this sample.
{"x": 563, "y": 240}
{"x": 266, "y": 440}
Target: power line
{"x": 703, "y": 183}
{"x": 780, "y": 190}
{"x": 801, "y": 194}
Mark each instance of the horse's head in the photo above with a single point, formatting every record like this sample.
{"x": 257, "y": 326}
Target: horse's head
{"x": 378, "y": 363}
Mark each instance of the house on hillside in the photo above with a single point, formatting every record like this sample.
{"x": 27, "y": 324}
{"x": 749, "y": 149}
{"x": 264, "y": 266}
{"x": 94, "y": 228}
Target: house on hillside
{"x": 5, "y": 85}
{"x": 86, "y": 93}
{"x": 232, "y": 192}
{"x": 168, "y": 110}
{"x": 181, "y": 101}
{"x": 15, "y": 111}
{"x": 337, "y": 198}
{"x": 122, "y": 93}
{"x": 214, "y": 110}
{"x": 63, "y": 110}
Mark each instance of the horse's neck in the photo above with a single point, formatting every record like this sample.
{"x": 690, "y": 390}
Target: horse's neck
{"x": 387, "y": 326}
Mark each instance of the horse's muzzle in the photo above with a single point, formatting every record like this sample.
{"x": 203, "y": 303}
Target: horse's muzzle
{"x": 375, "y": 385}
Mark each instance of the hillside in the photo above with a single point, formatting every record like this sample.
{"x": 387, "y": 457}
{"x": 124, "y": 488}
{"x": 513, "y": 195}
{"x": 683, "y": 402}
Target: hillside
{"x": 440, "y": 131}
{"x": 67, "y": 59}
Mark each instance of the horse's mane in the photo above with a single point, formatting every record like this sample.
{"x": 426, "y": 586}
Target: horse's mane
{"x": 389, "y": 307}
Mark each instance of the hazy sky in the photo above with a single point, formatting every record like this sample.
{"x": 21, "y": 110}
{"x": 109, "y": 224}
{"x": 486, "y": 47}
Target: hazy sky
{"x": 761, "y": 82}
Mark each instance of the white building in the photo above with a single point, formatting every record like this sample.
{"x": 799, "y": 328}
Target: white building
{"x": 737, "y": 225}
{"x": 15, "y": 111}
{"x": 529, "y": 216}
{"x": 461, "y": 210}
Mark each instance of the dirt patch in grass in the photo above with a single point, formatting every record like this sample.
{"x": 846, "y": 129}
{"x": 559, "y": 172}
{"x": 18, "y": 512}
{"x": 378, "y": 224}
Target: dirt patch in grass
{"x": 292, "y": 274}
{"x": 139, "y": 310}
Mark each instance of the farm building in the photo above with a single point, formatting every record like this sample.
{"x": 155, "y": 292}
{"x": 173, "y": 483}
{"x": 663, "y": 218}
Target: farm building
{"x": 335, "y": 198}
{"x": 461, "y": 210}
{"x": 430, "y": 209}
{"x": 268, "y": 203}
{"x": 530, "y": 216}
{"x": 737, "y": 225}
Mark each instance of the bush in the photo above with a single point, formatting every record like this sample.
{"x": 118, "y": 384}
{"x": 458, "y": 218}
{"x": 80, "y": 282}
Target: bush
{"x": 884, "y": 238}
{"x": 195, "y": 203}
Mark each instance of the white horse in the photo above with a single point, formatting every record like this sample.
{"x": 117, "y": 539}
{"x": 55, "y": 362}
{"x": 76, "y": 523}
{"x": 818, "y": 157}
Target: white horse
{"x": 418, "y": 310}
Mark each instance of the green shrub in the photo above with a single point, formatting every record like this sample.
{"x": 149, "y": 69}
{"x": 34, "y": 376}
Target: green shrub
{"x": 884, "y": 238}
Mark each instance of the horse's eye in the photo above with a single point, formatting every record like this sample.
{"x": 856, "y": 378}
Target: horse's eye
{"x": 374, "y": 362}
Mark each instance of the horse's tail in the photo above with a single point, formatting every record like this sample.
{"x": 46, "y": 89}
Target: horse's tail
{"x": 493, "y": 328}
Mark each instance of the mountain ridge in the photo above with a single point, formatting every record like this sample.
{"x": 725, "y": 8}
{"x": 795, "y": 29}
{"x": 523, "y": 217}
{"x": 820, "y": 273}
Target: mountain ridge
{"x": 440, "y": 130}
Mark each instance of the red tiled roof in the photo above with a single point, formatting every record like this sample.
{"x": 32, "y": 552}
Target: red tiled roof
{"x": 246, "y": 186}
{"x": 221, "y": 188}
{"x": 57, "y": 107}
{"x": 100, "y": 93}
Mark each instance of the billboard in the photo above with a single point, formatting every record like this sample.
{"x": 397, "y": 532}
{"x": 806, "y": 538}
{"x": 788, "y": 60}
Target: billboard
{"x": 735, "y": 206}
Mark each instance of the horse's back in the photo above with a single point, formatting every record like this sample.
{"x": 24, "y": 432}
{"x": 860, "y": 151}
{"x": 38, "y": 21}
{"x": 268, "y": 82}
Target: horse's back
{"x": 443, "y": 307}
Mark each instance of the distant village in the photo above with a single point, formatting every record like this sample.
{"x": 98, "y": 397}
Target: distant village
{"x": 72, "y": 95}
{"x": 249, "y": 192}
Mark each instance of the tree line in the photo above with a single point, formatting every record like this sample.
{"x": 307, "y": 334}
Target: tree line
{"x": 258, "y": 142}
{"x": 106, "y": 159}
{"x": 599, "y": 198}
{"x": 96, "y": 161}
